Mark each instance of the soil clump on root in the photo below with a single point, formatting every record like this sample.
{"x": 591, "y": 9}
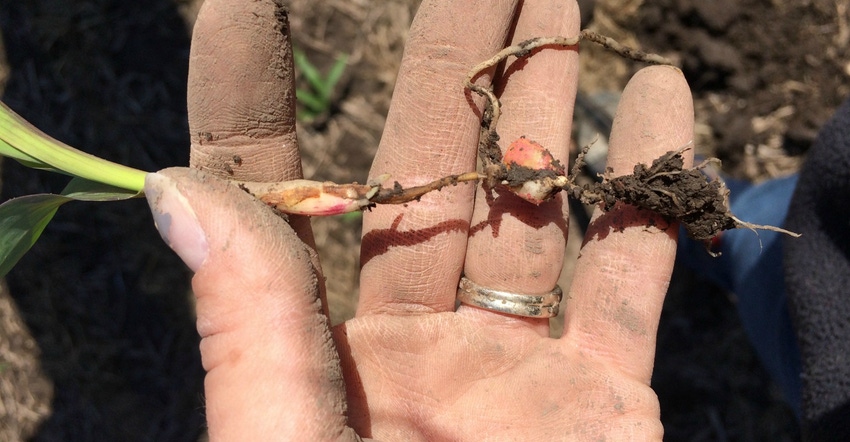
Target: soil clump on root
{"x": 667, "y": 188}
{"x": 664, "y": 187}
{"x": 673, "y": 192}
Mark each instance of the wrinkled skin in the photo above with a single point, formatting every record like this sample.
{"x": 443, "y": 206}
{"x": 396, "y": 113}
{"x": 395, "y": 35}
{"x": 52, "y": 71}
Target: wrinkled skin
{"x": 409, "y": 366}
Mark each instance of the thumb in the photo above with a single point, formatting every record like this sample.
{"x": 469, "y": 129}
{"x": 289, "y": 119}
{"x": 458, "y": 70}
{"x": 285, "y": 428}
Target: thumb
{"x": 272, "y": 368}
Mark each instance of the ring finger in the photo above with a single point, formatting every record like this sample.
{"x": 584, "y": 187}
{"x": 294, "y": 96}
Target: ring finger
{"x": 513, "y": 245}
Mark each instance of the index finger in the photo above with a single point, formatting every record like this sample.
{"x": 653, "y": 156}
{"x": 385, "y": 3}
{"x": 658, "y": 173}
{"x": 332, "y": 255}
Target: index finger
{"x": 412, "y": 256}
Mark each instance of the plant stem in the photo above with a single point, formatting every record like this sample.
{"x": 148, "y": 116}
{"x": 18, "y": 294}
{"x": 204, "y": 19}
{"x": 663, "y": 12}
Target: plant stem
{"x": 37, "y": 149}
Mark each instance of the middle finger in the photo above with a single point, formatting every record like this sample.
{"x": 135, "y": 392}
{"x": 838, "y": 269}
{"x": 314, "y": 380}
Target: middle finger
{"x": 412, "y": 256}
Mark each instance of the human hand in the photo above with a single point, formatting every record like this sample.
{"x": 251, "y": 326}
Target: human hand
{"x": 410, "y": 366}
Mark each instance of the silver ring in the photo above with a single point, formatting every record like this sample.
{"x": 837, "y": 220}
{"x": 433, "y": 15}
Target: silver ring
{"x": 532, "y": 306}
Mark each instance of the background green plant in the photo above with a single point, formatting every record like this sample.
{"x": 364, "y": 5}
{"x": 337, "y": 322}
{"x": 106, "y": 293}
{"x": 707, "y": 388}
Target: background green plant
{"x": 317, "y": 98}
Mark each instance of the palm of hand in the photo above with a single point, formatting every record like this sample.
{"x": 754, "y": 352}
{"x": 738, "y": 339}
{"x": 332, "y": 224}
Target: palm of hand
{"x": 458, "y": 377}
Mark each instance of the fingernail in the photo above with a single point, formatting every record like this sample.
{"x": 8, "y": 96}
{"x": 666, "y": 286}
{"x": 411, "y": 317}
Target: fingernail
{"x": 176, "y": 221}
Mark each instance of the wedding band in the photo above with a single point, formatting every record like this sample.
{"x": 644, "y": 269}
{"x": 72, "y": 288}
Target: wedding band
{"x": 532, "y": 306}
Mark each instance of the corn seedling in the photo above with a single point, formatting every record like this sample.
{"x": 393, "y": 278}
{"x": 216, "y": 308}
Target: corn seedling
{"x": 527, "y": 169}
{"x": 316, "y": 100}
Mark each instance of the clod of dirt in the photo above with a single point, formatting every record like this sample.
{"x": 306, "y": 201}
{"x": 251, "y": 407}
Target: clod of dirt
{"x": 685, "y": 195}
{"x": 665, "y": 187}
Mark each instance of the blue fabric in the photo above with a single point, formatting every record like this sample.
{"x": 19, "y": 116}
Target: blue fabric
{"x": 750, "y": 266}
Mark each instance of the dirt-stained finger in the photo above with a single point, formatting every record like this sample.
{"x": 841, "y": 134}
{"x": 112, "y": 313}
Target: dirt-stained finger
{"x": 241, "y": 93}
{"x": 241, "y": 97}
{"x": 624, "y": 268}
{"x": 515, "y": 245}
{"x": 266, "y": 344}
{"x": 412, "y": 256}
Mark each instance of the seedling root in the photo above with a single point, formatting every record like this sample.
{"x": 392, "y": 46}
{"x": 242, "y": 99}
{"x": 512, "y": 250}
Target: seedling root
{"x": 664, "y": 187}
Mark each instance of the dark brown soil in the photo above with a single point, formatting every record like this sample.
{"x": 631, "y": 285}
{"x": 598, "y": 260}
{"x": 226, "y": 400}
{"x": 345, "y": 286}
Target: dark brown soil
{"x": 767, "y": 74}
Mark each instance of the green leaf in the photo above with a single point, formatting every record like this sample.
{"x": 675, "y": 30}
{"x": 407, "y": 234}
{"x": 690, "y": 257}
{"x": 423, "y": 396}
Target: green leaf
{"x": 322, "y": 85}
{"x": 352, "y": 217}
{"x": 310, "y": 73}
{"x": 23, "y": 219}
{"x": 315, "y": 104}
{"x": 85, "y": 190}
{"x": 21, "y": 222}
{"x": 25, "y": 143}
{"x": 334, "y": 75}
